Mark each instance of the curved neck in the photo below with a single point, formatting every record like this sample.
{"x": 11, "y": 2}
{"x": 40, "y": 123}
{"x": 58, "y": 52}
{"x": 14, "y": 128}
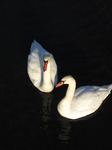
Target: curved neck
{"x": 71, "y": 90}
{"x": 64, "y": 107}
{"x": 47, "y": 75}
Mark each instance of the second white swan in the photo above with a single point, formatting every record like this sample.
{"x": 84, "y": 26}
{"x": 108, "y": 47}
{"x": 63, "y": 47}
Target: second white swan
{"x": 42, "y": 68}
{"x": 82, "y": 101}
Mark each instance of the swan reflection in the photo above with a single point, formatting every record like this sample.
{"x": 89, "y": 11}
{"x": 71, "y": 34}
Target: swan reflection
{"x": 46, "y": 100}
{"x": 65, "y": 125}
{"x": 62, "y": 124}
{"x": 65, "y": 128}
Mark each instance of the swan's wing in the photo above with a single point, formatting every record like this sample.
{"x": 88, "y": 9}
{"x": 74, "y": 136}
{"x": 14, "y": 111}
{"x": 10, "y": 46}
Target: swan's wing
{"x": 39, "y": 50}
{"x": 34, "y": 68}
{"x": 35, "y": 63}
{"x": 54, "y": 76}
{"x": 87, "y": 89}
{"x": 89, "y": 97}
{"x": 79, "y": 90}
{"x": 42, "y": 52}
{"x": 35, "y": 45}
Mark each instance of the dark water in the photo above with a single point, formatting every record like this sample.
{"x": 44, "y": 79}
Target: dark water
{"x": 78, "y": 34}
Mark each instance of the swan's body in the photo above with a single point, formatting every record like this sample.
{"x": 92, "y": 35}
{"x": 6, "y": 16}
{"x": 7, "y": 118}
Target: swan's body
{"x": 82, "y": 101}
{"x": 43, "y": 77}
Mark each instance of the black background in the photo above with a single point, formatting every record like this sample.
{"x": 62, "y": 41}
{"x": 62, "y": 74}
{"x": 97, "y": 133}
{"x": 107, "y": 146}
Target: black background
{"x": 78, "y": 34}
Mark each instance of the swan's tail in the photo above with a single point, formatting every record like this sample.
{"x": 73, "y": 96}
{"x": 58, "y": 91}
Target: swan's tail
{"x": 110, "y": 87}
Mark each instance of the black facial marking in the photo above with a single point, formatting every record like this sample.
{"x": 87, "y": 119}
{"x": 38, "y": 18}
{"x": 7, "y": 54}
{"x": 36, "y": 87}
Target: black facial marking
{"x": 45, "y": 61}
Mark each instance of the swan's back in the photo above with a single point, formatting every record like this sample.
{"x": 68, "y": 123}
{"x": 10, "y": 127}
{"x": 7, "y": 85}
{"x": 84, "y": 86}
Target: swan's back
{"x": 88, "y": 99}
{"x": 35, "y": 64}
{"x": 92, "y": 91}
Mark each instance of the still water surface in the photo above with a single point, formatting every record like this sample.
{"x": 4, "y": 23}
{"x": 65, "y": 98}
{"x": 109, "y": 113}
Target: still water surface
{"x": 78, "y": 35}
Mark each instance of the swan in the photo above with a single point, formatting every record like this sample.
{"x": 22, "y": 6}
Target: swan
{"x": 82, "y": 101}
{"x": 42, "y": 68}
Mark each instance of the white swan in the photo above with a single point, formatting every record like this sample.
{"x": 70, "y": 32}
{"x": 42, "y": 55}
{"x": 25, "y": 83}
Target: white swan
{"x": 41, "y": 68}
{"x": 82, "y": 102}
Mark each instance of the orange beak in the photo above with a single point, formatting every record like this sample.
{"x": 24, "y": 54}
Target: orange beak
{"x": 45, "y": 65}
{"x": 59, "y": 84}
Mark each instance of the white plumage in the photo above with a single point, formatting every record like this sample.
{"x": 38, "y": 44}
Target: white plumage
{"x": 82, "y": 101}
{"x": 44, "y": 81}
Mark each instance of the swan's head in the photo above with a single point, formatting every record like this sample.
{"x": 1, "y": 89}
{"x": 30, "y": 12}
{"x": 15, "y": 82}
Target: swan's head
{"x": 66, "y": 80}
{"x": 46, "y": 61}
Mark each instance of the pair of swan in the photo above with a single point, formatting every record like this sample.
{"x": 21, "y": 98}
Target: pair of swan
{"x": 77, "y": 103}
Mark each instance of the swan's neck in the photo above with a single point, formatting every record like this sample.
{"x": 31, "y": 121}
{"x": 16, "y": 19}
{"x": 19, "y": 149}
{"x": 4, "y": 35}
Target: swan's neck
{"x": 65, "y": 104}
{"x": 47, "y": 75}
{"x": 71, "y": 90}
{"x": 47, "y": 85}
